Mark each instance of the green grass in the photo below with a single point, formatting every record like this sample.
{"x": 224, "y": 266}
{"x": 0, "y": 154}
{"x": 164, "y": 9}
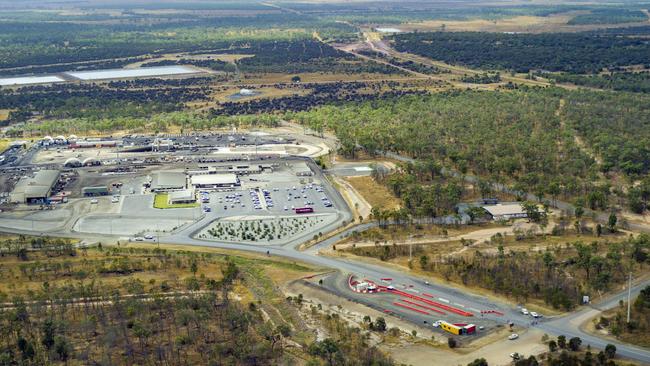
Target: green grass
{"x": 160, "y": 201}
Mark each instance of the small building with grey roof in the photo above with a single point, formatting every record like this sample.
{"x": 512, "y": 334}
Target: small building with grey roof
{"x": 181, "y": 197}
{"x": 506, "y": 211}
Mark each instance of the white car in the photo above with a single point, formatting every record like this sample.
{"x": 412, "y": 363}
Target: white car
{"x": 148, "y": 237}
{"x": 534, "y": 314}
{"x": 524, "y": 311}
{"x": 436, "y": 324}
{"x": 94, "y": 201}
{"x": 115, "y": 199}
{"x": 139, "y": 238}
{"x": 513, "y": 336}
{"x": 515, "y": 356}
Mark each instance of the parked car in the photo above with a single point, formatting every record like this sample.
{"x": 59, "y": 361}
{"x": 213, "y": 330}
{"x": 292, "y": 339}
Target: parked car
{"x": 513, "y": 336}
{"x": 524, "y": 311}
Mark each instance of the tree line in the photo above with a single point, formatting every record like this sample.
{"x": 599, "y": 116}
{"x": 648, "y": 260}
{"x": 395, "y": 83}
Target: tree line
{"x": 568, "y": 52}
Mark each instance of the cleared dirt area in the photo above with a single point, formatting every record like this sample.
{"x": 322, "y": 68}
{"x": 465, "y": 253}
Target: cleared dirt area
{"x": 4, "y": 114}
{"x": 445, "y": 242}
{"x": 496, "y": 353}
{"x": 398, "y": 233}
{"x": 374, "y": 193}
{"x": 268, "y": 92}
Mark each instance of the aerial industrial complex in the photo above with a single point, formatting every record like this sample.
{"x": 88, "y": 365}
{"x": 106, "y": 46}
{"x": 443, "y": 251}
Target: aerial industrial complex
{"x": 101, "y": 186}
{"x": 254, "y": 191}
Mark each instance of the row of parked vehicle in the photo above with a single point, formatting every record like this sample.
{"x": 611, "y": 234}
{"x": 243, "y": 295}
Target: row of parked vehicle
{"x": 531, "y": 313}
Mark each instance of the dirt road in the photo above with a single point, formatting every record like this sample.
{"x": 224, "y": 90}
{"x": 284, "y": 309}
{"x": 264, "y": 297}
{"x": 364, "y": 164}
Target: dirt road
{"x": 477, "y": 236}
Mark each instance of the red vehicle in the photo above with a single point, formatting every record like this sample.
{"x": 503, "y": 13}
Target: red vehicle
{"x": 303, "y": 210}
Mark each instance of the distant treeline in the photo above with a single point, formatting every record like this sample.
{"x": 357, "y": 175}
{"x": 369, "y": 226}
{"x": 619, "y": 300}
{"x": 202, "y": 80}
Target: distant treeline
{"x": 609, "y": 16}
{"x": 568, "y": 52}
{"x": 43, "y": 43}
{"x": 94, "y": 101}
{"x": 52, "y": 69}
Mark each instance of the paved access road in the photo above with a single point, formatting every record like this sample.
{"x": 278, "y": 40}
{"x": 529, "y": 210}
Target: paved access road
{"x": 568, "y": 325}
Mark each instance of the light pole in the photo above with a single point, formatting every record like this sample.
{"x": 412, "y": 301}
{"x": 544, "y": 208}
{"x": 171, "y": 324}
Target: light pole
{"x": 629, "y": 296}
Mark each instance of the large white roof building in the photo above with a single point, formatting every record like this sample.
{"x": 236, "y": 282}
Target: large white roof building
{"x": 214, "y": 180}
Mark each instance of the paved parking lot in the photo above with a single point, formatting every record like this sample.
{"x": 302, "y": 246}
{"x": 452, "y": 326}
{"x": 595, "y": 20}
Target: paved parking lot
{"x": 269, "y": 196}
{"x": 273, "y": 199}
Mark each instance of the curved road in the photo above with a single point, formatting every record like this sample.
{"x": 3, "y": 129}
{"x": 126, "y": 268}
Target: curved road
{"x": 567, "y": 325}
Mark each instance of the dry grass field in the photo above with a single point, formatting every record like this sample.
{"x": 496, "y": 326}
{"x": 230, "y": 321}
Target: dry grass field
{"x": 4, "y": 114}
{"x": 320, "y": 77}
{"x": 525, "y": 24}
{"x": 114, "y": 267}
{"x": 222, "y": 96}
{"x": 376, "y": 194}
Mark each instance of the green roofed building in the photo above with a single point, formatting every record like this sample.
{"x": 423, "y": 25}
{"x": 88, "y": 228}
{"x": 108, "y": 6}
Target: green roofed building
{"x": 95, "y": 191}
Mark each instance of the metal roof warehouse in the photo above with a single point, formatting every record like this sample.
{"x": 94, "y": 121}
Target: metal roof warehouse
{"x": 168, "y": 181}
{"x": 35, "y": 189}
{"x": 215, "y": 180}
{"x": 506, "y": 211}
